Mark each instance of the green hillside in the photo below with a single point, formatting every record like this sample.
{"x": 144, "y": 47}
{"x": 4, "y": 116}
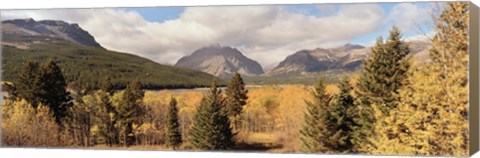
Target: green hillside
{"x": 85, "y": 66}
{"x": 333, "y": 76}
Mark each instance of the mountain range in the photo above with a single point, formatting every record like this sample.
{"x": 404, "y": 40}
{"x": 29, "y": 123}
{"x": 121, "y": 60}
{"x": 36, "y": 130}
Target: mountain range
{"x": 348, "y": 58}
{"x": 84, "y": 59}
{"x": 84, "y": 62}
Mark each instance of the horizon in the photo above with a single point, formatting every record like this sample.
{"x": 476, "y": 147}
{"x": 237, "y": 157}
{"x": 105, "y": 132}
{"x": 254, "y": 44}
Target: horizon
{"x": 166, "y": 34}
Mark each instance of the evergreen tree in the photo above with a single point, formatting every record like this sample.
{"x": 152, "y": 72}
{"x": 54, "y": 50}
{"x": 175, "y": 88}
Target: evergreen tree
{"x": 236, "y": 98}
{"x": 211, "y": 128}
{"x": 340, "y": 120}
{"x": 432, "y": 118}
{"x": 28, "y": 85}
{"x": 53, "y": 91}
{"x": 384, "y": 73}
{"x": 44, "y": 84}
{"x": 329, "y": 121}
{"x": 173, "y": 138}
{"x": 314, "y": 129}
{"x": 129, "y": 111}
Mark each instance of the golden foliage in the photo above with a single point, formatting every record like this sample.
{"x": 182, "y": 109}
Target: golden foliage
{"x": 431, "y": 118}
{"x": 25, "y": 126}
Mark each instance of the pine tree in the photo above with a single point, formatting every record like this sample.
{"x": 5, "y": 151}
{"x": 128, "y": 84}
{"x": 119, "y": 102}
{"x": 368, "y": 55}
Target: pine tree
{"x": 129, "y": 111}
{"x": 28, "y": 85}
{"x": 314, "y": 129}
{"x": 236, "y": 98}
{"x": 383, "y": 74}
{"x": 173, "y": 137}
{"x": 432, "y": 118}
{"x": 339, "y": 120}
{"x": 44, "y": 84}
{"x": 54, "y": 90}
{"x": 211, "y": 128}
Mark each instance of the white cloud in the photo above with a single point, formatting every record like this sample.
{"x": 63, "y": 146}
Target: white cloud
{"x": 264, "y": 33}
{"x": 409, "y": 17}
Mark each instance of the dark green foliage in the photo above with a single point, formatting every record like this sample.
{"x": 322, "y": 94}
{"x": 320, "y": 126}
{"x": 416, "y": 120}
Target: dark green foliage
{"x": 314, "y": 129}
{"x": 28, "y": 85}
{"x": 211, "y": 128}
{"x": 329, "y": 125}
{"x": 236, "y": 98}
{"x": 129, "y": 110}
{"x": 44, "y": 84}
{"x": 53, "y": 91}
{"x": 85, "y": 67}
{"x": 296, "y": 77}
{"x": 173, "y": 137}
{"x": 340, "y": 120}
{"x": 383, "y": 74}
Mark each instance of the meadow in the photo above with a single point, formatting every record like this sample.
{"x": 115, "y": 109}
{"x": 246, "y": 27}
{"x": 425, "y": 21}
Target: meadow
{"x": 270, "y": 120}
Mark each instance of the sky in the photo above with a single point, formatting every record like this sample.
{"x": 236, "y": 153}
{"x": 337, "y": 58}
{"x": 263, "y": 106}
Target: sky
{"x": 265, "y": 33}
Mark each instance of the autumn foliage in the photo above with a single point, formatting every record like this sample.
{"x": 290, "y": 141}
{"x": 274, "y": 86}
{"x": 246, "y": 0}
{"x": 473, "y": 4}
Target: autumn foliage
{"x": 390, "y": 108}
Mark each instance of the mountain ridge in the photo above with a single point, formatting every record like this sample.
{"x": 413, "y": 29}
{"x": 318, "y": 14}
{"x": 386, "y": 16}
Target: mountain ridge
{"x": 49, "y": 28}
{"x": 221, "y": 61}
{"x": 86, "y": 64}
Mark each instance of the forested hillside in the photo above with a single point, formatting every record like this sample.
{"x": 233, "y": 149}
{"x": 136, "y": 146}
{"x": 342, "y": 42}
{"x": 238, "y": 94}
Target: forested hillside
{"x": 84, "y": 67}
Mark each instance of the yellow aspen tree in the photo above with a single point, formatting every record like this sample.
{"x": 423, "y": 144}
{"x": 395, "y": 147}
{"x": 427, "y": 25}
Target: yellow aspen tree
{"x": 432, "y": 116}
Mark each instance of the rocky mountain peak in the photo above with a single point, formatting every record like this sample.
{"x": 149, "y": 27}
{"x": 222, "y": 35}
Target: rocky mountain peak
{"x": 221, "y": 61}
{"x": 49, "y": 28}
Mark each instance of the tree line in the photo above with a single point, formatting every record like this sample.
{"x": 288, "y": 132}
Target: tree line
{"x": 395, "y": 108}
{"x": 109, "y": 116}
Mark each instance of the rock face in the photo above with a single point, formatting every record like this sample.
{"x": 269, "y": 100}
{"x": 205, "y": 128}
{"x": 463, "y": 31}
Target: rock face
{"x": 348, "y": 57}
{"x": 48, "y": 28}
{"x": 220, "y": 61}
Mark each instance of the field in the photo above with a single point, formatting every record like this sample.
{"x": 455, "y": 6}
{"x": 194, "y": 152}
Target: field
{"x": 270, "y": 120}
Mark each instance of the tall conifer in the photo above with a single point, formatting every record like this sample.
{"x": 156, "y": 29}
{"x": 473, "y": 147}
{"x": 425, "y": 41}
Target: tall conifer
{"x": 174, "y": 137}
{"x": 384, "y": 73}
{"x": 314, "y": 128}
{"x": 236, "y": 98}
{"x": 211, "y": 128}
{"x": 129, "y": 110}
{"x": 54, "y": 90}
{"x": 28, "y": 85}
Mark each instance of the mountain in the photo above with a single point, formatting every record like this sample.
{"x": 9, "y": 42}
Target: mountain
{"x": 50, "y": 29}
{"x": 83, "y": 61}
{"x": 220, "y": 61}
{"x": 346, "y": 58}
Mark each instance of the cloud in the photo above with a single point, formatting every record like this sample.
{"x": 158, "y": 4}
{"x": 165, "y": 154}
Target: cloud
{"x": 409, "y": 17}
{"x": 264, "y": 33}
